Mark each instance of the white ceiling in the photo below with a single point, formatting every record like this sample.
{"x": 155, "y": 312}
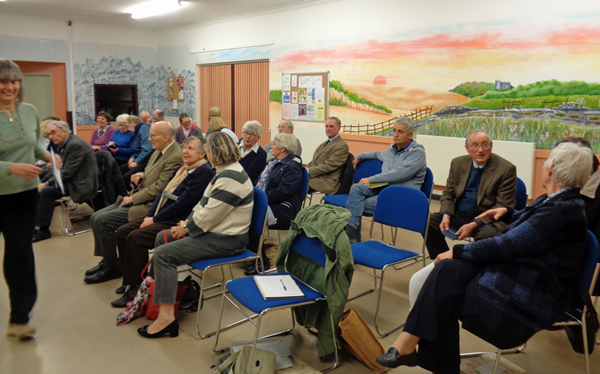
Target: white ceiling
{"x": 114, "y": 12}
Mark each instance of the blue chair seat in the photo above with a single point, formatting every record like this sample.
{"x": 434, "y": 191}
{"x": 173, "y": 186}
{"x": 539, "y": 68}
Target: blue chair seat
{"x": 247, "y": 293}
{"x": 386, "y": 254}
{"x": 204, "y": 264}
{"x": 337, "y": 200}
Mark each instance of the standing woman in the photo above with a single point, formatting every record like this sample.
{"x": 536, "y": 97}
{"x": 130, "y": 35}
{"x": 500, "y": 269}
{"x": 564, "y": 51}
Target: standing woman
{"x": 19, "y": 148}
{"x": 101, "y": 136}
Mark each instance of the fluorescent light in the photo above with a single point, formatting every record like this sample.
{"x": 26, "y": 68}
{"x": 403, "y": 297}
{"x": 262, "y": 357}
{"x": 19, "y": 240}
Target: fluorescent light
{"x": 155, "y": 8}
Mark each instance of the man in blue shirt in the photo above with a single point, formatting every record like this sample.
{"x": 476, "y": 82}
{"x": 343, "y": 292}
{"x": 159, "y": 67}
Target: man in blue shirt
{"x": 403, "y": 165}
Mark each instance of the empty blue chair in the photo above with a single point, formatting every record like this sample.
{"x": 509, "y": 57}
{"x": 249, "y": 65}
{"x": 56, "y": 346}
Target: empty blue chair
{"x": 257, "y": 226}
{"x": 364, "y": 169}
{"x": 397, "y": 207}
{"x": 247, "y": 294}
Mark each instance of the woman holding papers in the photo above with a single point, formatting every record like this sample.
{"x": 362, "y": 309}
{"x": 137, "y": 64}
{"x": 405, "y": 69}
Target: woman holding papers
{"x": 506, "y": 288}
{"x": 217, "y": 227}
{"x": 19, "y": 149}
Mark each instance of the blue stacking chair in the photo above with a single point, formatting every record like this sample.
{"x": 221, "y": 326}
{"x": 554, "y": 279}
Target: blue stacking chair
{"x": 589, "y": 274}
{"x": 257, "y": 226}
{"x": 364, "y": 169}
{"x": 247, "y": 294}
{"x": 521, "y": 195}
{"x": 398, "y": 207}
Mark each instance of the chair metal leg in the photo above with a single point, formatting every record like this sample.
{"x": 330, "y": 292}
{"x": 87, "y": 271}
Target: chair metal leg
{"x": 375, "y": 277}
{"x": 502, "y": 351}
{"x": 497, "y": 363}
{"x": 336, "y": 364}
{"x": 585, "y": 340}
{"x": 394, "y": 328}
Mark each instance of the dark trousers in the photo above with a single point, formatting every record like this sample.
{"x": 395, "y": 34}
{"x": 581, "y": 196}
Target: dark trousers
{"x": 434, "y": 317}
{"x": 17, "y": 224}
{"x": 436, "y": 241}
{"x": 127, "y": 172}
{"x": 48, "y": 197}
{"x": 133, "y": 244}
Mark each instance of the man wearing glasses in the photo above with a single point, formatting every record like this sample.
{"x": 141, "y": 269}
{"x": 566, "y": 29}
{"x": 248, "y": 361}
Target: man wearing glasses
{"x": 285, "y": 127}
{"x": 477, "y": 182}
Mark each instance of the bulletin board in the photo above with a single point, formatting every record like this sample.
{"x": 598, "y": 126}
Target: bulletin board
{"x": 175, "y": 89}
{"x": 305, "y": 96}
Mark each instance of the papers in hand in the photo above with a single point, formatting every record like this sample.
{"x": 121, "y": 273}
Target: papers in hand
{"x": 277, "y": 286}
{"x": 56, "y": 173}
{"x": 377, "y": 185}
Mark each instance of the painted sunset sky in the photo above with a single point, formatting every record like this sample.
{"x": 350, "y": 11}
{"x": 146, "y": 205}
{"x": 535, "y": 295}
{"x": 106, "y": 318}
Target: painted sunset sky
{"x": 438, "y": 60}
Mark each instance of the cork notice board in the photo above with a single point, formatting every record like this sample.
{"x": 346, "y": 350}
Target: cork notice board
{"x": 305, "y": 96}
{"x": 175, "y": 89}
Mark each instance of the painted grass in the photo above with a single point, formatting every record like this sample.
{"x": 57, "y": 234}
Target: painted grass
{"x": 591, "y": 101}
{"x": 544, "y": 132}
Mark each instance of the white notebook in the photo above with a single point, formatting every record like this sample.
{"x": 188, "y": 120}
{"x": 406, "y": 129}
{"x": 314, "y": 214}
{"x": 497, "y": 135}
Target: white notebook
{"x": 277, "y": 286}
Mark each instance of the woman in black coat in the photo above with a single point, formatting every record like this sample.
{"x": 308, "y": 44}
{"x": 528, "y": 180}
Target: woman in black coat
{"x": 506, "y": 288}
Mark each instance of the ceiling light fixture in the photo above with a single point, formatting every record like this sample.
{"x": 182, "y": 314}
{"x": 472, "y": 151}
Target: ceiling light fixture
{"x": 155, "y": 8}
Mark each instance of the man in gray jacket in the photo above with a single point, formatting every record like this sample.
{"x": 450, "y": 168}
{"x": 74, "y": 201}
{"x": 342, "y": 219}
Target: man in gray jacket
{"x": 403, "y": 164}
{"x": 78, "y": 174}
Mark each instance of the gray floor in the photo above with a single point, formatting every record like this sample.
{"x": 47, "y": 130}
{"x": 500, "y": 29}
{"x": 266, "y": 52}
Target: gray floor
{"x": 77, "y": 331}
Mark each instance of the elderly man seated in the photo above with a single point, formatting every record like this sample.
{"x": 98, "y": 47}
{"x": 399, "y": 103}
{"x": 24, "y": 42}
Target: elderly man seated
{"x": 285, "y": 127}
{"x": 254, "y": 157}
{"x": 403, "y": 164}
{"x": 477, "y": 182}
{"x": 78, "y": 172}
{"x": 165, "y": 159}
{"x": 329, "y": 160}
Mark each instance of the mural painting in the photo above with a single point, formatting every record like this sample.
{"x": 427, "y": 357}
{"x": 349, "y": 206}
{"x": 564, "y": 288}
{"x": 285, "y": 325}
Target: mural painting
{"x": 151, "y": 82}
{"x": 517, "y": 80}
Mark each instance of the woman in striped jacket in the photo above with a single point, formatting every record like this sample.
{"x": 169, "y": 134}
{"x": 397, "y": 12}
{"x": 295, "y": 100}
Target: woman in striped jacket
{"x": 217, "y": 227}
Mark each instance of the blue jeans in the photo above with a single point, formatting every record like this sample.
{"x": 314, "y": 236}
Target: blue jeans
{"x": 361, "y": 200}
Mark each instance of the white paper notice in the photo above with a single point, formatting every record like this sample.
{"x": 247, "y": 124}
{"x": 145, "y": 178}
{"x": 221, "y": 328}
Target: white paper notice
{"x": 174, "y": 104}
{"x": 285, "y": 82}
{"x": 294, "y": 80}
{"x": 294, "y": 111}
{"x": 310, "y": 112}
{"x": 295, "y": 97}
{"x": 286, "y": 111}
{"x": 56, "y": 173}
{"x": 320, "y": 95}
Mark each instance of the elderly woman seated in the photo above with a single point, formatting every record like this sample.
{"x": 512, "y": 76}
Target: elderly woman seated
{"x": 254, "y": 158}
{"x": 186, "y": 129}
{"x": 506, "y": 288}
{"x": 281, "y": 180}
{"x": 181, "y": 194}
{"x": 217, "y": 227}
{"x": 121, "y": 142}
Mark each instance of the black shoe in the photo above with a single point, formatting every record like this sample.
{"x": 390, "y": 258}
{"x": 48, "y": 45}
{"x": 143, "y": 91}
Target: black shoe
{"x": 123, "y": 301}
{"x": 172, "y": 330}
{"x": 40, "y": 235}
{"x": 103, "y": 275}
{"x": 353, "y": 234}
{"x": 95, "y": 269}
{"x": 253, "y": 270}
{"x": 393, "y": 359}
{"x": 121, "y": 290}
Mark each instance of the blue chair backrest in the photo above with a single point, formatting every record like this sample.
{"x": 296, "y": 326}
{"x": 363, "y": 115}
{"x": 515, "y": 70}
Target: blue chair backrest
{"x": 310, "y": 248}
{"x": 259, "y": 211}
{"x": 521, "y": 195}
{"x": 366, "y": 169}
{"x": 591, "y": 257}
{"x": 303, "y": 189}
{"x": 403, "y": 207}
{"x": 427, "y": 186}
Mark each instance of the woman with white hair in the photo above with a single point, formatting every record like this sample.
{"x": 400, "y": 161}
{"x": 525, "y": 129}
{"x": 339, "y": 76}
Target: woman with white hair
{"x": 506, "y": 288}
{"x": 121, "y": 143}
{"x": 254, "y": 158}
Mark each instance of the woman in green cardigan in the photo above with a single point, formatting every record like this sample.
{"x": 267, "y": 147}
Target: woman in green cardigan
{"x": 19, "y": 150}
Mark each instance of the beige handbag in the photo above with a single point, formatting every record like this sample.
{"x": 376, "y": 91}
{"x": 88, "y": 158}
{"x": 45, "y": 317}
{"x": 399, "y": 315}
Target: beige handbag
{"x": 60, "y": 220}
{"x": 264, "y": 362}
{"x": 360, "y": 341}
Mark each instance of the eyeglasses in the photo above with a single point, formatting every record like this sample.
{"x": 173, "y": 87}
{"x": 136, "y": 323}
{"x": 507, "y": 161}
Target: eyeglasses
{"x": 246, "y": 133}
{"x": 53, "y": 132}
{"x": 484, "y": 146}
{"x": 186, "y": 123}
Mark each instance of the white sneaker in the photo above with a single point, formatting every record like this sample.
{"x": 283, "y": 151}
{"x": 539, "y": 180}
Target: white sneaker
{"x": 22, "y": 332}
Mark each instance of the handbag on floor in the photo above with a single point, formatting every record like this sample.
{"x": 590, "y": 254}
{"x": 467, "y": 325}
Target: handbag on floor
{"x": 264, "y": 362}
{"x": 152, "y": 311}
{"x": 359, "y": 340}
{"x": 137, "y": 308}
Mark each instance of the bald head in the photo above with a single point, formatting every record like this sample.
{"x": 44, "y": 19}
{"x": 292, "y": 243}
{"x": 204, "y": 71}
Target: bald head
{"x": 158, "y": 115}
{"x": 145, "y": 116}
{"x": 161, "y": 135}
